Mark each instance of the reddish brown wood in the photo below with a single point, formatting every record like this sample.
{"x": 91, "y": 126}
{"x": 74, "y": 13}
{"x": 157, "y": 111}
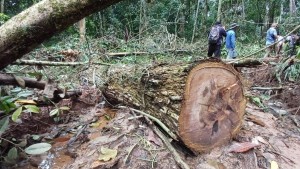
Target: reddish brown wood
{"x": 213, "y": 106}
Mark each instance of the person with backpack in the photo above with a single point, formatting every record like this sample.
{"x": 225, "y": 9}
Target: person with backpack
{"x": 270, "y": 39}
{"x": 293, "y": 41}
{"x": 230, "y": 41}
{"x": 215, "y": 39}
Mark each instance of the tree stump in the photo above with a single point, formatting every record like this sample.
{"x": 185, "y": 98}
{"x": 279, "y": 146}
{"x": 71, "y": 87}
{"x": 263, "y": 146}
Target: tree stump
{"x": 203, "y": 105}
{"x": 213, "y": 106}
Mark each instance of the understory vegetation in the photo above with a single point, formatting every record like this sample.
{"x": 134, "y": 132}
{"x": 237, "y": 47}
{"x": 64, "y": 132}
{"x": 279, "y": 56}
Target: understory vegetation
{"x": 132, "y": 32}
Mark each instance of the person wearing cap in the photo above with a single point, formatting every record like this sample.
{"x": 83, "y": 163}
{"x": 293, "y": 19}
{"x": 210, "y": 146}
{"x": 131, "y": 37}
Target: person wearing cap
{"x": 270, "y": 39}
{"x": 230, "y": 41}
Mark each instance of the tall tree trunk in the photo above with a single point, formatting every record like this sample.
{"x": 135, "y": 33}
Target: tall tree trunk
{"x": 142, "y": 19}
{"x": 292, "y": 8}
{"x": 219, "y": 10}
{"x": 267, "y": 21}
{"x": 27, "y": 30}
{"x": 2, "y": 6}
{"x": 82, "y": 30}
{"x": 202, "y": 103}
{"x": 101, "y": 29}
{"x": 204, "y": 15}
{"x": 243, "y": 8}
{"x": 195, "y": 22}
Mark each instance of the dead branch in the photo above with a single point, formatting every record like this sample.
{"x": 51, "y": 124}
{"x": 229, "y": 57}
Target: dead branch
{"x": 7, "y": 79}
{"x": 267, "y": 88}
{"x": 177, "y": 158}
{"x": 49, "y": 63}
{"x": 163, "y": 126}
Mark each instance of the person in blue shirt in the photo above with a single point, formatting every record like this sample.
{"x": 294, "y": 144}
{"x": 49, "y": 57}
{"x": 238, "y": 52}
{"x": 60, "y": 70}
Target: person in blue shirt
{"x": 230, "y": 41}
{"x": 271, "y": 39}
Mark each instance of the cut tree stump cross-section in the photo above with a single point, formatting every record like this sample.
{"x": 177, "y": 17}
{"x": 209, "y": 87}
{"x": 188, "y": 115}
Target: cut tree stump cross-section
{"x": 213, "y": 106}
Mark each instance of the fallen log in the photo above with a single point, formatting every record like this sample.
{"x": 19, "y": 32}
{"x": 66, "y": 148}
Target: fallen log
{"x": 58, "y": 94}
{"x": 202, "y": 103}
{"x": 7, "y": 79}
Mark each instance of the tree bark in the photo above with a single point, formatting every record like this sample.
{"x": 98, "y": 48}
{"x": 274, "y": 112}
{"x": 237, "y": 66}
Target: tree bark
{"x": 293, "y": 10}
{"x": 82, "y": 30}
{"x": 2, "y": 6}
{"x": 203, "y": 105}
{"x": 24, "y": 32}
{"x": 6, "y": 79}
{"x": 219, "y": 10}
{"x": 195, "y": 22}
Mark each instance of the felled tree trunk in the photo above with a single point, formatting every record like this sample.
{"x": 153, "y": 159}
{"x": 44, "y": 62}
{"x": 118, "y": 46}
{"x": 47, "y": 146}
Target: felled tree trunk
{"x": 25, "y": 31}
{"x": 203, "y": 103}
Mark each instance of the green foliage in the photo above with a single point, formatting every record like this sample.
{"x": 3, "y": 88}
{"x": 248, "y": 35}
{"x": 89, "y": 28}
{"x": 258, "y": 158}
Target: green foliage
{"x": 57, "y": 111}
{"x": 3, "y": 124}
{"x": 3, "y": 18}
{"x": 38, "y": 148}
{"x": 12, "y": 156}
{"x": 7, "y": 103}
{"x": 257, "y": 101}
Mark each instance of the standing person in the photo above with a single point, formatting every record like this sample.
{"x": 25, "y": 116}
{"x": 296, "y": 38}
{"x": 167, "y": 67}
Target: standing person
{"x": 230, "y": 41}
{"x": 293, "y": 41}
{"x": 215, "y": 39}
{"x": 270, "y": 39}
{"x": 280, "y": 44}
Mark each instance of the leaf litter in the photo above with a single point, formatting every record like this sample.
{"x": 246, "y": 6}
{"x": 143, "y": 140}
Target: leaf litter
{"x": 265, "y": 141}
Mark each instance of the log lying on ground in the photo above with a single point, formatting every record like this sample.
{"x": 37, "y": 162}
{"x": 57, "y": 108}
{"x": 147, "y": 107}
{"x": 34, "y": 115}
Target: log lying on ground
{"x": 7, "y": 79}
{"x": 202, "y": 103}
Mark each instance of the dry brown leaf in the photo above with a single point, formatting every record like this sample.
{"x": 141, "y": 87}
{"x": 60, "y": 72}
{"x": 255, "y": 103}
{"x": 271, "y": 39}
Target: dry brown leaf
{"x": 255, "y": 120}
{"x": 20, "y": 81}
{"x": 242, "y": 147}
{"x": 152, "y": 138}
{"x": 107, "y": 154}
{"x": 26, "y": 102}
{"x": 216, "y": 164}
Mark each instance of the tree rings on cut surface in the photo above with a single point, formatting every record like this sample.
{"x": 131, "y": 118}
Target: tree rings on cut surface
{"x": 213, "y": 106}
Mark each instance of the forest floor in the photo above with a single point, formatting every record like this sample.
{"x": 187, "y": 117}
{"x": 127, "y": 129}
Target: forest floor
{"x": 91, "y": 135}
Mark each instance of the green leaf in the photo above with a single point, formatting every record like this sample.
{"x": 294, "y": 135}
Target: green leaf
{"x": 4, "y": 124}
{"x": 38, "y": 148}
{"x": 16, "y": 114}
{"x": 25, "y": 94}
{"x": 54, "y": 112}
{"x": 35, "y": 137}
{"x": 12, "y": 153}
{"x": 64, "y": 108}
{"x": 4, "y": 107}
{"x": 16, "y": 90}
{"x": 12, "y": 156}
{"x": 257, "y": 101}
{"x": 32, "y": 108}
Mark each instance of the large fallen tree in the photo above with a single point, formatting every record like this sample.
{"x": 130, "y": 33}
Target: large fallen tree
{"x": 202, "y": 103}
{"x": 27, "y": 30}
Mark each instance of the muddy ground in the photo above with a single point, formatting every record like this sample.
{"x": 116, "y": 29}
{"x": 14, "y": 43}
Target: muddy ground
{"x": 80, "y": 138}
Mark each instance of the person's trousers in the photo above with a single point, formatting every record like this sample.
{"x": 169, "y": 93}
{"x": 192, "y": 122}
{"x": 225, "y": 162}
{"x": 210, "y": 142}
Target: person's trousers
{"x": 231, "y": 53}
{"x": 214, "y": 49}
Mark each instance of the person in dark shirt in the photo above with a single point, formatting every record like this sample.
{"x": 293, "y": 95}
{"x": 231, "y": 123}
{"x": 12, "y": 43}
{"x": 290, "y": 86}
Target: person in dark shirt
{"x": 216, "y": 40}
